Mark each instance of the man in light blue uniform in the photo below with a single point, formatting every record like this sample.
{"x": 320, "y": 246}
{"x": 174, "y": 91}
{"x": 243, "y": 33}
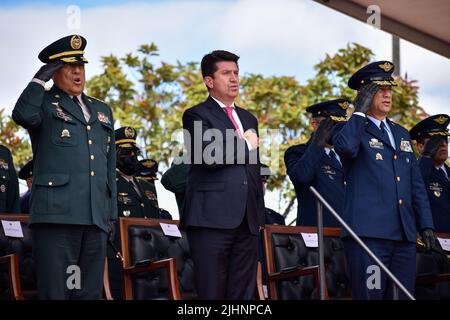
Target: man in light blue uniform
{"x": 385, "y": 200}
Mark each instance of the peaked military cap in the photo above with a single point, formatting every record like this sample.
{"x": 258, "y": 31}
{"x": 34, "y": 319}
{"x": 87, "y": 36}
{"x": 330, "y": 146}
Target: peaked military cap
{"x": 69, "y": 49}
{"x": 126, "y": 137}
{"x": 430, "y": 127}
{"x": 26, "y": 171}
{"x": 379, "y": 72}
{"x": 335, "y": 109}
{"x": 147, "y": 169}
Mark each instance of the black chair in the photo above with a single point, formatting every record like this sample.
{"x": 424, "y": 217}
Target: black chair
{"x": 147, "y": 249}
{"x": 292, "y": 268}
{"x": 433, "y": 273}
{"x": 20, "y": 258}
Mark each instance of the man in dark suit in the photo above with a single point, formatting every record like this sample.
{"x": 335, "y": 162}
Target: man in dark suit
{"x": 385, "y": 198}
{"x": 26, "y": 173}
{"x": 74, "y": 190}
{"x": 316, "y": 164}
{"x": 9, "y": 185}
{"x": 224, "y": 205}
{"x": 431, "y": 135}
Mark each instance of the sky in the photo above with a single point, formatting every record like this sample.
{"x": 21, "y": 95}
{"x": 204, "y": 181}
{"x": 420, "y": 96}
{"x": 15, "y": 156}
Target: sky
{"x": 282, "y": 37}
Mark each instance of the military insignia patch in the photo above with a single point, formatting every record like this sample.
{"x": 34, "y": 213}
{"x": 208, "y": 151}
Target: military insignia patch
{"x": 76, "y": 42}
{"x": 65, "y": 133}
{"x": 344, "y": 105}
{"x": 4, "y": 164}
{"x": 386, "y": 66}
{"x": 2, "y": 188}
{"x": 103, "y": 118}
{"x": 151, "y": 195}
{"x": 405, "y": 146}
{"x": 378, "y": 156}
{"x": 374, "y": 143}
{"x": 328, "y": 170}
{"x": 129, "y": 132}
{"x": 441, "y": 119}
{"x": 60, "y": 112}
{"x": 436, "y": 188}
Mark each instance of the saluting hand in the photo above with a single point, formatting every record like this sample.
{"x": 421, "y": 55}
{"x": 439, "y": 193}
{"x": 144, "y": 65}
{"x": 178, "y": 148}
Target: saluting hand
{"x": 323, "y": 132}
{"x": 364, "y": 97}
{"x": 47, "y": 71}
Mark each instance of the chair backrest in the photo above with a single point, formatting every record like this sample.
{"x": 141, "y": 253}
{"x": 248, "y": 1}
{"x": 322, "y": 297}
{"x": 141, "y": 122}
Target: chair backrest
{"x": 433, "y": 266}
{"x": 284, "y": 247}
{"x": 22, "y": 247}
{"x": 143, "y": 239}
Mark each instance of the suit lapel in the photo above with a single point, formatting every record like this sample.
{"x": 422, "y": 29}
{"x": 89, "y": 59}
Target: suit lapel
{"x": 219, "y": 113}
{"x": 68, "y": 105}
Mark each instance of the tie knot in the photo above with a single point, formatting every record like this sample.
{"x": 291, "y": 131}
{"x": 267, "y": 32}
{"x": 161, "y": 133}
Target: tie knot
{"x": 229, "y": 110}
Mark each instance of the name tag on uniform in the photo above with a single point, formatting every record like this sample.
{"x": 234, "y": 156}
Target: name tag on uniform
{"x": 405, "y": 146}
{"x": 374, "y": 143}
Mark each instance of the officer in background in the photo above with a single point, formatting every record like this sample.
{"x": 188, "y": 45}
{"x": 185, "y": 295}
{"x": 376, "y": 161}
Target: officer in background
{"x": 174, "y": 180}
{"x": 146, "y": 175}
{"x": 9, "y": 185}
{"x": 317, "y": 164}
{"x": 26, "y": 173}
{"x": 431, "y": 135}
{"x": 74, "y": 190}
{"x": 132, "y": 200}
{"x": 385, "y": 197}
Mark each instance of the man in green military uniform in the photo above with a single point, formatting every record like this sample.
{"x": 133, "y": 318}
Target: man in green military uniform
{"x": 133, "y": 196}
{"x": 74, "y": 190}
{"x": 9, "y": 185}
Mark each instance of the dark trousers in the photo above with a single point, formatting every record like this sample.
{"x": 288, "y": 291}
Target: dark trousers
{"x": 225, "y": 262}
{"x": 59, "y": 250}
{"x": 398, "y": 256}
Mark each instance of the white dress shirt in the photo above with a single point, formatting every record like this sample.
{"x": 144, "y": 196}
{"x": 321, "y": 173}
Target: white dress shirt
{"x": 236, "y": 118}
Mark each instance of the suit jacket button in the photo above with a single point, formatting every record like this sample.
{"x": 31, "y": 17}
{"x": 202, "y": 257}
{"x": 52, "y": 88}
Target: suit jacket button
{"x": 245, "y": 181}
{"x": 50, "y": 183}
{"x": 88, "y": 127}
{"x": 400, "y": 202}
{"x": 92, "y": 173}
{"x": 395, "y": 157}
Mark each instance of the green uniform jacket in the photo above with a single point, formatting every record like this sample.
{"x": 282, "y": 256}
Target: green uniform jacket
{"x": 74, "y": 160}
{"x": 174, "y": 180}
{"x": 131, "y": 204}
{"x": 9, "y": 185}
